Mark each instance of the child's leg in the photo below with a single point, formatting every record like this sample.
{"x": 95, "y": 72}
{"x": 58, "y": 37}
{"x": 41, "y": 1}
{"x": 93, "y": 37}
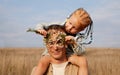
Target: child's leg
{"x": 42, "y": 65}
{"x": 80, "y": 61}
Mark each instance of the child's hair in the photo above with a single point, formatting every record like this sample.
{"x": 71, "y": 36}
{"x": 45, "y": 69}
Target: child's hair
{"x": 82, "y": 16}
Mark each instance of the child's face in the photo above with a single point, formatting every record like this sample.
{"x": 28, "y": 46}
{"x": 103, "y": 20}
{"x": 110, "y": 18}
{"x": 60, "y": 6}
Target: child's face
{"x": 73, "y": 25}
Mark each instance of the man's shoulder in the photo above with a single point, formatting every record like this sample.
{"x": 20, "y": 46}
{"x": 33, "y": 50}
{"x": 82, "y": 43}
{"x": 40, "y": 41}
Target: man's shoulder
{"x": 72, "y": 65}
{"x": 71, "y": 69}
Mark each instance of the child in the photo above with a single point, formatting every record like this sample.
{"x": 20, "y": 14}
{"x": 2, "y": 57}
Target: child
{"x": 76, "y": 22}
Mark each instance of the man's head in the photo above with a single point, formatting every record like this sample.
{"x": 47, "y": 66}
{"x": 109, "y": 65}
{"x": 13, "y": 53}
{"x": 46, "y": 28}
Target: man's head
{"x": 77, "y": 21}
{"x": 55, "y": 41}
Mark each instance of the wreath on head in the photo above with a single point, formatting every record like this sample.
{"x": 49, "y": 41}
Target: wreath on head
{"x": 60, "y": 36}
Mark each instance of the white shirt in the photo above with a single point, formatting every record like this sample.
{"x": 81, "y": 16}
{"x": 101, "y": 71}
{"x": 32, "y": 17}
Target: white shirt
{"x": 59, "y": 69}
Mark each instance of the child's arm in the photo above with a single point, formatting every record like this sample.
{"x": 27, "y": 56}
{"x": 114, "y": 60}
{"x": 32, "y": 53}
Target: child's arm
{"x": 40, "y": 28}
{"x": 76, "y": 46}
{"x": 42, "y": 32}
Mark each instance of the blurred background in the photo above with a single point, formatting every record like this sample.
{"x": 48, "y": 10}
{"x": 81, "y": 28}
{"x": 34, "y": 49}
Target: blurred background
{"x": 16, "y": 16}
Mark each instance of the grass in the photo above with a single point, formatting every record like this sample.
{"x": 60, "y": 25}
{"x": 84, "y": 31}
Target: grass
{"x": 104, "y": 61}
{"x": 20, "y": 61}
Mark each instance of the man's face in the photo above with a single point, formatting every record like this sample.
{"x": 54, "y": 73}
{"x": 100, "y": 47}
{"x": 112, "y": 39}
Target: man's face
{"x": 56, "y": 45}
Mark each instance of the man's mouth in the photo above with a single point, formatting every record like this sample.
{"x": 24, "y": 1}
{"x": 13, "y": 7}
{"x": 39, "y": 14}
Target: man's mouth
{"x": 56, "y": 52}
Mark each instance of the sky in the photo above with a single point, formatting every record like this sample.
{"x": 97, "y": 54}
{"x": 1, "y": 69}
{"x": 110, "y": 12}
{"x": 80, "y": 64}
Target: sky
{"x": 16, "y": 16}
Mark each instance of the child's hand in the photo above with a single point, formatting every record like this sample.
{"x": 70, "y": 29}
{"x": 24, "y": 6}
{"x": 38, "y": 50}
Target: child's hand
{"x": 69, "y": 39}
{"x": 42, "y": 32}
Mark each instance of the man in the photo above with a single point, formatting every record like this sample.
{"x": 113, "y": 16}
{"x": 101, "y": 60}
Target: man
{"x": 56, "y": 46}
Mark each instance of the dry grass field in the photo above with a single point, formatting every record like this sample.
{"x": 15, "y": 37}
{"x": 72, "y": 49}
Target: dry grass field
{"x": 20, "y": 61}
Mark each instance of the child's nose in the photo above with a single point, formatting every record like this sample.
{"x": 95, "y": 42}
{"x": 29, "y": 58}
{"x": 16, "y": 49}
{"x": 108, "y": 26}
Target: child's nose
{"x": 69, "y": 27}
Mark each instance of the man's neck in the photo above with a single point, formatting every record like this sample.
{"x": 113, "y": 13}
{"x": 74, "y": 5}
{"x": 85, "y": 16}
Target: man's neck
{"x": 58, "y": 61}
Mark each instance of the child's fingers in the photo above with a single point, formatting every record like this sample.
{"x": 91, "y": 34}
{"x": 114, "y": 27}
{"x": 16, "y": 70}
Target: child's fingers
{"x": 67, "y": 39}
{"x": 42, "y": 32}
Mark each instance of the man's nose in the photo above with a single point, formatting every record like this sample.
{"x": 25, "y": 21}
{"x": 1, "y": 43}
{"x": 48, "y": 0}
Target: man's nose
{"x": 55, "y": 46}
